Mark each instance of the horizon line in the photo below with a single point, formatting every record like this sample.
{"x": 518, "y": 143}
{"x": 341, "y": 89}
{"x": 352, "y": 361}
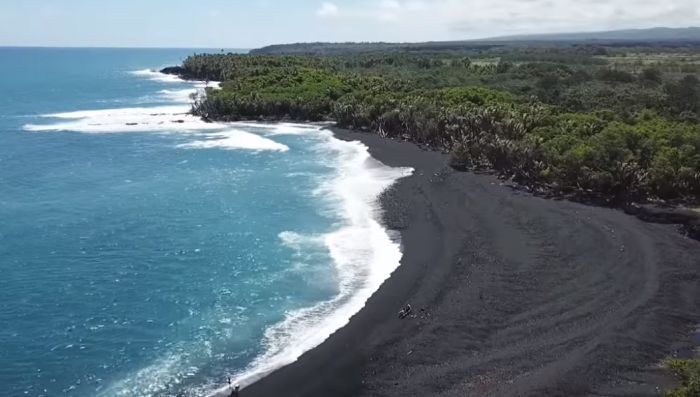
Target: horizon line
{"x": 125, "y": 47}
{"x": 497, "y": 38}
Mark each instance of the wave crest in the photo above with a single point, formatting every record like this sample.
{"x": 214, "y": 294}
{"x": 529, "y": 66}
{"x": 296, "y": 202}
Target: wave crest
{"x": 156, "y": 76}
{"x": 236, "y": 139}
{"x": 364, "y": 253}
{"x": 168, "y": 119}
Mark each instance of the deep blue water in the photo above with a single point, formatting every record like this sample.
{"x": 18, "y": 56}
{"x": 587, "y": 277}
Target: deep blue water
{"x": 146, "y": 253}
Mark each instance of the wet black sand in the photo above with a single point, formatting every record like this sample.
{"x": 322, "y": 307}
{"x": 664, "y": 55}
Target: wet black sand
{"x": 513, "y": 295}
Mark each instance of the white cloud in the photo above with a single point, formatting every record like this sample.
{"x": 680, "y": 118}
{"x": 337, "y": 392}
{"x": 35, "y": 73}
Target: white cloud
{"x": 328, "y": 10}
{"x": 388, "y": 10}
{"x": 534, "y": 16}
{"x": 411, "y": 20}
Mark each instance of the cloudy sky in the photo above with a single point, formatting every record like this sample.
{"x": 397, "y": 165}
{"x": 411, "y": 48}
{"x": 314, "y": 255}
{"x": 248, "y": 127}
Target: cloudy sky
{"x": 253, "y": 23}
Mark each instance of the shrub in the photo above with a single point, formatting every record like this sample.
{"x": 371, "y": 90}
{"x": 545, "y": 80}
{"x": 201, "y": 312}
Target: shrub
{"x": 688, "y": 371}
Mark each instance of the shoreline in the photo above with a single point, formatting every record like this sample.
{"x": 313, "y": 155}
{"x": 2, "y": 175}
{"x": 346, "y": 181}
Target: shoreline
{"x": 512, "y": 295}
{"x": 362, "y": 250}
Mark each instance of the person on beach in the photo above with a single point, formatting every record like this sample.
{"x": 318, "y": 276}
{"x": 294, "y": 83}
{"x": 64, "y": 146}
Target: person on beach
{"x": 405, "y": 312}
{"x": 235, "y": 391}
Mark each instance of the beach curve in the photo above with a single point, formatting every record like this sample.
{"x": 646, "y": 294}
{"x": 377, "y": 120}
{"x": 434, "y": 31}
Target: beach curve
{"x": 513, "y": 295}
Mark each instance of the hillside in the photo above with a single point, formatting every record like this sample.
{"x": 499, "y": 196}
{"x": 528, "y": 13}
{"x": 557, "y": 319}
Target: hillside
{"x": 647, "y": 37}
{"x": 659, "y": 34}
{"x": 351, "y": 48}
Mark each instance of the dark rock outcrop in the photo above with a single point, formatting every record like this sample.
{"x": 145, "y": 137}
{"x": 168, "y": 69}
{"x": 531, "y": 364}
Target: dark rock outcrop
{"x": 688, "y": 219}
{"x": 692, "y": 229}
{"x": 654, "y": 214}
{"x": 181, "y": 73}
{"x": 176, "y": 70}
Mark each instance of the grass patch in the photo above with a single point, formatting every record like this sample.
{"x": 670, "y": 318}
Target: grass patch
{"x": 688, "y": 371}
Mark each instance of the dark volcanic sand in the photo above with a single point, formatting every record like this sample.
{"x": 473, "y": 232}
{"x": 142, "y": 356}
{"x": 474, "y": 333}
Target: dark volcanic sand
{"x": 523, "y": 296}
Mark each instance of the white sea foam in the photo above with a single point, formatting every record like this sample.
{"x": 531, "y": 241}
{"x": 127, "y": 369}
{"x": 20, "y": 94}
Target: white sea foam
{"x": 180, "y": 96}
{"x": 235, "y": 139}
{"x": 363, "y": 252}
{"x": 171, "y": 78}
{"x": 188, "y": 95}
{"x": 173, "y": 118}
{"x": 157, "y": 76}
{"x": 287, "y": 129}
{"x": 142, "y": 119}
{"x": 150, "y": 380}
{"x": 298, "y": 241}
{"x": 212, "y": 84}
{"x": 168, "y": 119}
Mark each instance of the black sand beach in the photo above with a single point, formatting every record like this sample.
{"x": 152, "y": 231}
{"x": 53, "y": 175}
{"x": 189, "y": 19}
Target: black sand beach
{"x": 513, "y": 295}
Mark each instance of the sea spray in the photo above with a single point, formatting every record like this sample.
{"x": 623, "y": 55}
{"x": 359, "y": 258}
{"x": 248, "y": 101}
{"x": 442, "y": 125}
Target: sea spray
{"x": 238, "y": 330}
{"x": 363, "y": 251}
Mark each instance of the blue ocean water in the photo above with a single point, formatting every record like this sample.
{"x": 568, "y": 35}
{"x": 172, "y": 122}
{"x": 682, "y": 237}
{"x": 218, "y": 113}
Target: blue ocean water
{"x": 144, "y": 252}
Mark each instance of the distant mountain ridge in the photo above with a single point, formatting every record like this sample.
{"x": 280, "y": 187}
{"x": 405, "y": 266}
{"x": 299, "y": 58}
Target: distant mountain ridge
{"x": 651, "y": 34}
{"x": 613, "y": 37}
{"x": 324, "y": 48}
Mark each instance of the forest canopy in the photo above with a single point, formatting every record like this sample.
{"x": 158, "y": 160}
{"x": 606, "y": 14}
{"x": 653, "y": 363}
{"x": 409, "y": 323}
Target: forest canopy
{"x": 622, "y": 122}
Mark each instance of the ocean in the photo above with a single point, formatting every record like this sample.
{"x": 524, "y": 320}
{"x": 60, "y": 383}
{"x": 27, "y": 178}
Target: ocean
{"x": 144, "y": 252}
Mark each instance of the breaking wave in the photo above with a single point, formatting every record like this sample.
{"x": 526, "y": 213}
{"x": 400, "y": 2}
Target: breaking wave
{"x": 236, "y": 139}
{"x": 364, "y": 252}
{"x": 174, "y": 118}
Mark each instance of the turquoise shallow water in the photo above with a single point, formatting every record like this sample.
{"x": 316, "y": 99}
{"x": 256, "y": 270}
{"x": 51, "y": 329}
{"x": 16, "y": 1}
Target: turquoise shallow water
{"x": 146, "y": 253}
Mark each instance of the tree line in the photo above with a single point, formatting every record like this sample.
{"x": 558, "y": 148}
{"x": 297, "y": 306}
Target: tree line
{"x": 555, "y": 122}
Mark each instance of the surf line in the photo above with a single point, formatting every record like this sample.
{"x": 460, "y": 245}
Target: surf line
{"x": 363, "y": 251}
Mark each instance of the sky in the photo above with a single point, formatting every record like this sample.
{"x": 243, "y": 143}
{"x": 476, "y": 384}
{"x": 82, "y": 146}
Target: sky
{"x": 254, "y": 23}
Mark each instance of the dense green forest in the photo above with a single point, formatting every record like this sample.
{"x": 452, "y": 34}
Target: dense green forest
{"x": 619, "y": 121}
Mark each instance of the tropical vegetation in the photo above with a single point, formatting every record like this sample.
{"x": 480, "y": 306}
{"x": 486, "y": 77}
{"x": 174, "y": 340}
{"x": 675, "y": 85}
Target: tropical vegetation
{"x": 612, "y": 121}
{"x": 688, "y": 372}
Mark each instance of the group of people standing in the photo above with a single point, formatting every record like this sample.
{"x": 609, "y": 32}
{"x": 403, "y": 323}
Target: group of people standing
{"x": 235, "y": 390}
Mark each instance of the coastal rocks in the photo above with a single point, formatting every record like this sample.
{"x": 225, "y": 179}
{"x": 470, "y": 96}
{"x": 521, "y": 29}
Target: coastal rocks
{"x": 688, "y": 219}
{"x": 692, "y": 230}
{"x": 174, "y": 70}
{"x": 662, "y": 215}
{"x": 181, "y": 72}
